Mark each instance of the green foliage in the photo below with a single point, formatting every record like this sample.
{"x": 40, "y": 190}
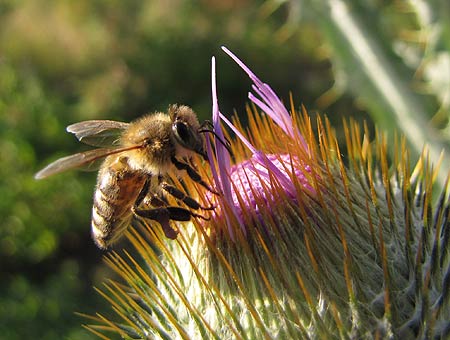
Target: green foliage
{"x": 395, "y": 60}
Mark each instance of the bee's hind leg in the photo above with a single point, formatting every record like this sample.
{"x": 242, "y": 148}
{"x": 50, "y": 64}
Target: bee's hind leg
{"x": 144, "y": 191}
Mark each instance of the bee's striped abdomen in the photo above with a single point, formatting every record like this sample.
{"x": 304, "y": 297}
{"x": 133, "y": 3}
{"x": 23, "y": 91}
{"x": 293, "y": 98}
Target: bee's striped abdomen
{"x": 116, "y": 192}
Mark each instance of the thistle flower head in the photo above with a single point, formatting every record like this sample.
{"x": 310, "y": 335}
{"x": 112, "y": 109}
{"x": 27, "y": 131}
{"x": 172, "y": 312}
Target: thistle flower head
{"x": 300, "y": 245}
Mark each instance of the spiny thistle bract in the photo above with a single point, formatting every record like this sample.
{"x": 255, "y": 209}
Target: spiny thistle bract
{"x": 303, "y": 244}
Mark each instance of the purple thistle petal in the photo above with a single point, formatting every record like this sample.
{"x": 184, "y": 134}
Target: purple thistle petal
{"x": 252, "y": 76}
{"x": 239, "y": 134}
{"x": 266, "y": 163}
{"x": 222, "y": 156}
{"x": 251, "y": 180}
{"x": 209, "y": 150}
{"x": 270, "y": 103}
{"x": 275, "y": 109}
{"x": 281, "y": 176}
{"x": 222, "y": 178}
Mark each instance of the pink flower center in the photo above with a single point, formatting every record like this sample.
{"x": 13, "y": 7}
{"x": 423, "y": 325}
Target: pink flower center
{"x": 254, "y": 183}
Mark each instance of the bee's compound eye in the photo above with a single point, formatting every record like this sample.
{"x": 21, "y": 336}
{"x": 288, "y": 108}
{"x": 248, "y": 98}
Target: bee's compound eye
{"x": 182, "y": 133}
{"x": 186, "y": 136}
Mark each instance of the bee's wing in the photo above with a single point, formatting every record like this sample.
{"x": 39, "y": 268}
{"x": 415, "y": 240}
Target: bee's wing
{"x": 102, "y": 133}
{"x": 82, "y": 159}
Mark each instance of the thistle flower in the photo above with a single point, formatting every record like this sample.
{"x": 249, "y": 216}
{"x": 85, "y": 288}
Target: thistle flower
{"x": 302, "y": 244}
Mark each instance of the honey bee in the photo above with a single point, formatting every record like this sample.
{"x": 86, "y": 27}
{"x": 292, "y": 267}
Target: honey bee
{"x": 133, "y": 178}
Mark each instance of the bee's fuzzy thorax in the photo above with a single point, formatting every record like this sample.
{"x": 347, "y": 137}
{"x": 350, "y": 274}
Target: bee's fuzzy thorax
{"x": 156, "y": 133}
{"x": 153, "y": 124}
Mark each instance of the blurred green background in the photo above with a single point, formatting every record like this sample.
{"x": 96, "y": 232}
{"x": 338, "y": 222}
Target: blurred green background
{"x": 67, "y": 61}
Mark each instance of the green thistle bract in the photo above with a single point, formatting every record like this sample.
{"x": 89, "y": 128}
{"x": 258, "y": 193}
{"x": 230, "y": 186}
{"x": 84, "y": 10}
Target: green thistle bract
{"x": 301, "y": 244}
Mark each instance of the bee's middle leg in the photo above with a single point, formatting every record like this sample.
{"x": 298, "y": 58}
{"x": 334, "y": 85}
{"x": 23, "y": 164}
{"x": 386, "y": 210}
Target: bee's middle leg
{"x": 189, "y": 201}
{"x": 163, "y": 215}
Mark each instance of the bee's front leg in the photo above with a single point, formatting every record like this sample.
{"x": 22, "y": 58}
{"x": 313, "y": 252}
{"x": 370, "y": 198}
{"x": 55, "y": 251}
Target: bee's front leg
{"x": 194, "y": 175}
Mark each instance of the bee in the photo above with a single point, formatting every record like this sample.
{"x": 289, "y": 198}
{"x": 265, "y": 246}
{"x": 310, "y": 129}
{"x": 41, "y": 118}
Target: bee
{"x": 133, "y": 179}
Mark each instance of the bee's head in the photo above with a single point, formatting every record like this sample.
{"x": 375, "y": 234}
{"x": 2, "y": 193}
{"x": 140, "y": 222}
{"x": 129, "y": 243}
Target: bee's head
{"x": 186, "y": 129}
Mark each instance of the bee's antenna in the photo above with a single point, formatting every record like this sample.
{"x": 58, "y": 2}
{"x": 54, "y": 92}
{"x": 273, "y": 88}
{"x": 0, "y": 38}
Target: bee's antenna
{"x": 207, "y": 127}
